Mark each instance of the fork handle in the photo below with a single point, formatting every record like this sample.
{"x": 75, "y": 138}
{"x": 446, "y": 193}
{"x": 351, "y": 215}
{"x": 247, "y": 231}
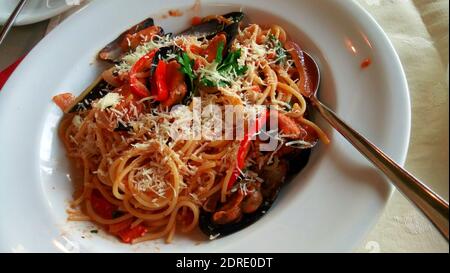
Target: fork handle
{"x": 12, "y": 18}
{"x": 431, "y": 204}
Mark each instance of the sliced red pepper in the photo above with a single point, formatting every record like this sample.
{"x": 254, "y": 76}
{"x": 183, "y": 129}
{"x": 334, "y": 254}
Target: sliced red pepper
{"x": 129, "y": 234}
{"x": 101, "y": 206}
{"x": 176, "y": 85}
{"x": 159, "y": 82}
{"x": 138, "y": 87}
{"x": 244, "y": 147}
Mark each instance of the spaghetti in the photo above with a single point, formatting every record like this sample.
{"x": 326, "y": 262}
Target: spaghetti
{"x": 139, "y": 182}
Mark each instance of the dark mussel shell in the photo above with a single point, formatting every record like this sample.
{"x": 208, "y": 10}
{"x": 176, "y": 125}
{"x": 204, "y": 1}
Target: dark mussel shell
{"x": 212, "y": 27}
{"x": 206, "y": 29}
{"x": 98, "y": 89}
{"x": 297, "y": 163}
{"x": 231, "y": 32}
{"x": 236, "y": 16}
{"x": 112, "y": 51}
{"x": 217, "y": 231}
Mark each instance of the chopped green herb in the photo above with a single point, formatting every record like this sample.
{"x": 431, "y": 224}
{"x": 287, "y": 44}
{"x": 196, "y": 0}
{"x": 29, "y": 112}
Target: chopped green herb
{"x": 94, "y": 231}
{"x": 241, "y": 70}
{"x": 226, "y": 68}
{"x": 230, "y": 61}
{"x": 279, "y": 50}
{"x": 187, "y": 68}
{"x": 206, "y": 82}
{"x": 186, "y": 65}
{"x": 220, "y": 52}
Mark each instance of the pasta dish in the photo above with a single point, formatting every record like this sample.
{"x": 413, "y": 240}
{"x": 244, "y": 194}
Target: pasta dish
{"x": 196, "y": 129}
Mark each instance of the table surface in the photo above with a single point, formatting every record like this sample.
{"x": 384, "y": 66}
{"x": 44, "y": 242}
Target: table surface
{"x": 419, "y": 31}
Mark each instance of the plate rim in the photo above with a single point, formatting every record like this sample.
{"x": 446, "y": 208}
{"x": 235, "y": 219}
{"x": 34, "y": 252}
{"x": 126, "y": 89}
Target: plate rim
{"x": 350, "y": 4}
{"x": 28, "y": 20}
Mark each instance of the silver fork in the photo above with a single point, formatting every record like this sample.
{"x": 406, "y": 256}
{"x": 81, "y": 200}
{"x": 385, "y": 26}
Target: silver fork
{"x": 12, "y": 18}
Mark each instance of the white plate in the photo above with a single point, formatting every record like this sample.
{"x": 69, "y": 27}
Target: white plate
{"x": 329, "y": 207}
{"x": 35, "y": 10}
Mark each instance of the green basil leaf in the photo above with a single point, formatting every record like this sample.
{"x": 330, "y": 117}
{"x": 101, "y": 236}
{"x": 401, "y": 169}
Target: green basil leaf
{"x": 220, "y": 52}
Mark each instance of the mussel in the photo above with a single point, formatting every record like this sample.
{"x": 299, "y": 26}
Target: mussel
{"x": 112, "y": 51}
{"x": 231, "y": 32}
{"x": 213, "y": 25}
{"x": 98, "y": 89}
{"x": 274, "y": 180}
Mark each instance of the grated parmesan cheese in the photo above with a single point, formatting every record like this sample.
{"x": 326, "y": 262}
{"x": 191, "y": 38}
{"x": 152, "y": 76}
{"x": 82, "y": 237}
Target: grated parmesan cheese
{"x": 130, "y": 59}
{"x": 77, "y": 121}
{"x": 141, "y": 145}
{"x": 110, "y": 100}
{"x": 152, "y": 179}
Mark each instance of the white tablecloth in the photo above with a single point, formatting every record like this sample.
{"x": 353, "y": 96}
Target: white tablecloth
{"x": 419, "y": 32}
